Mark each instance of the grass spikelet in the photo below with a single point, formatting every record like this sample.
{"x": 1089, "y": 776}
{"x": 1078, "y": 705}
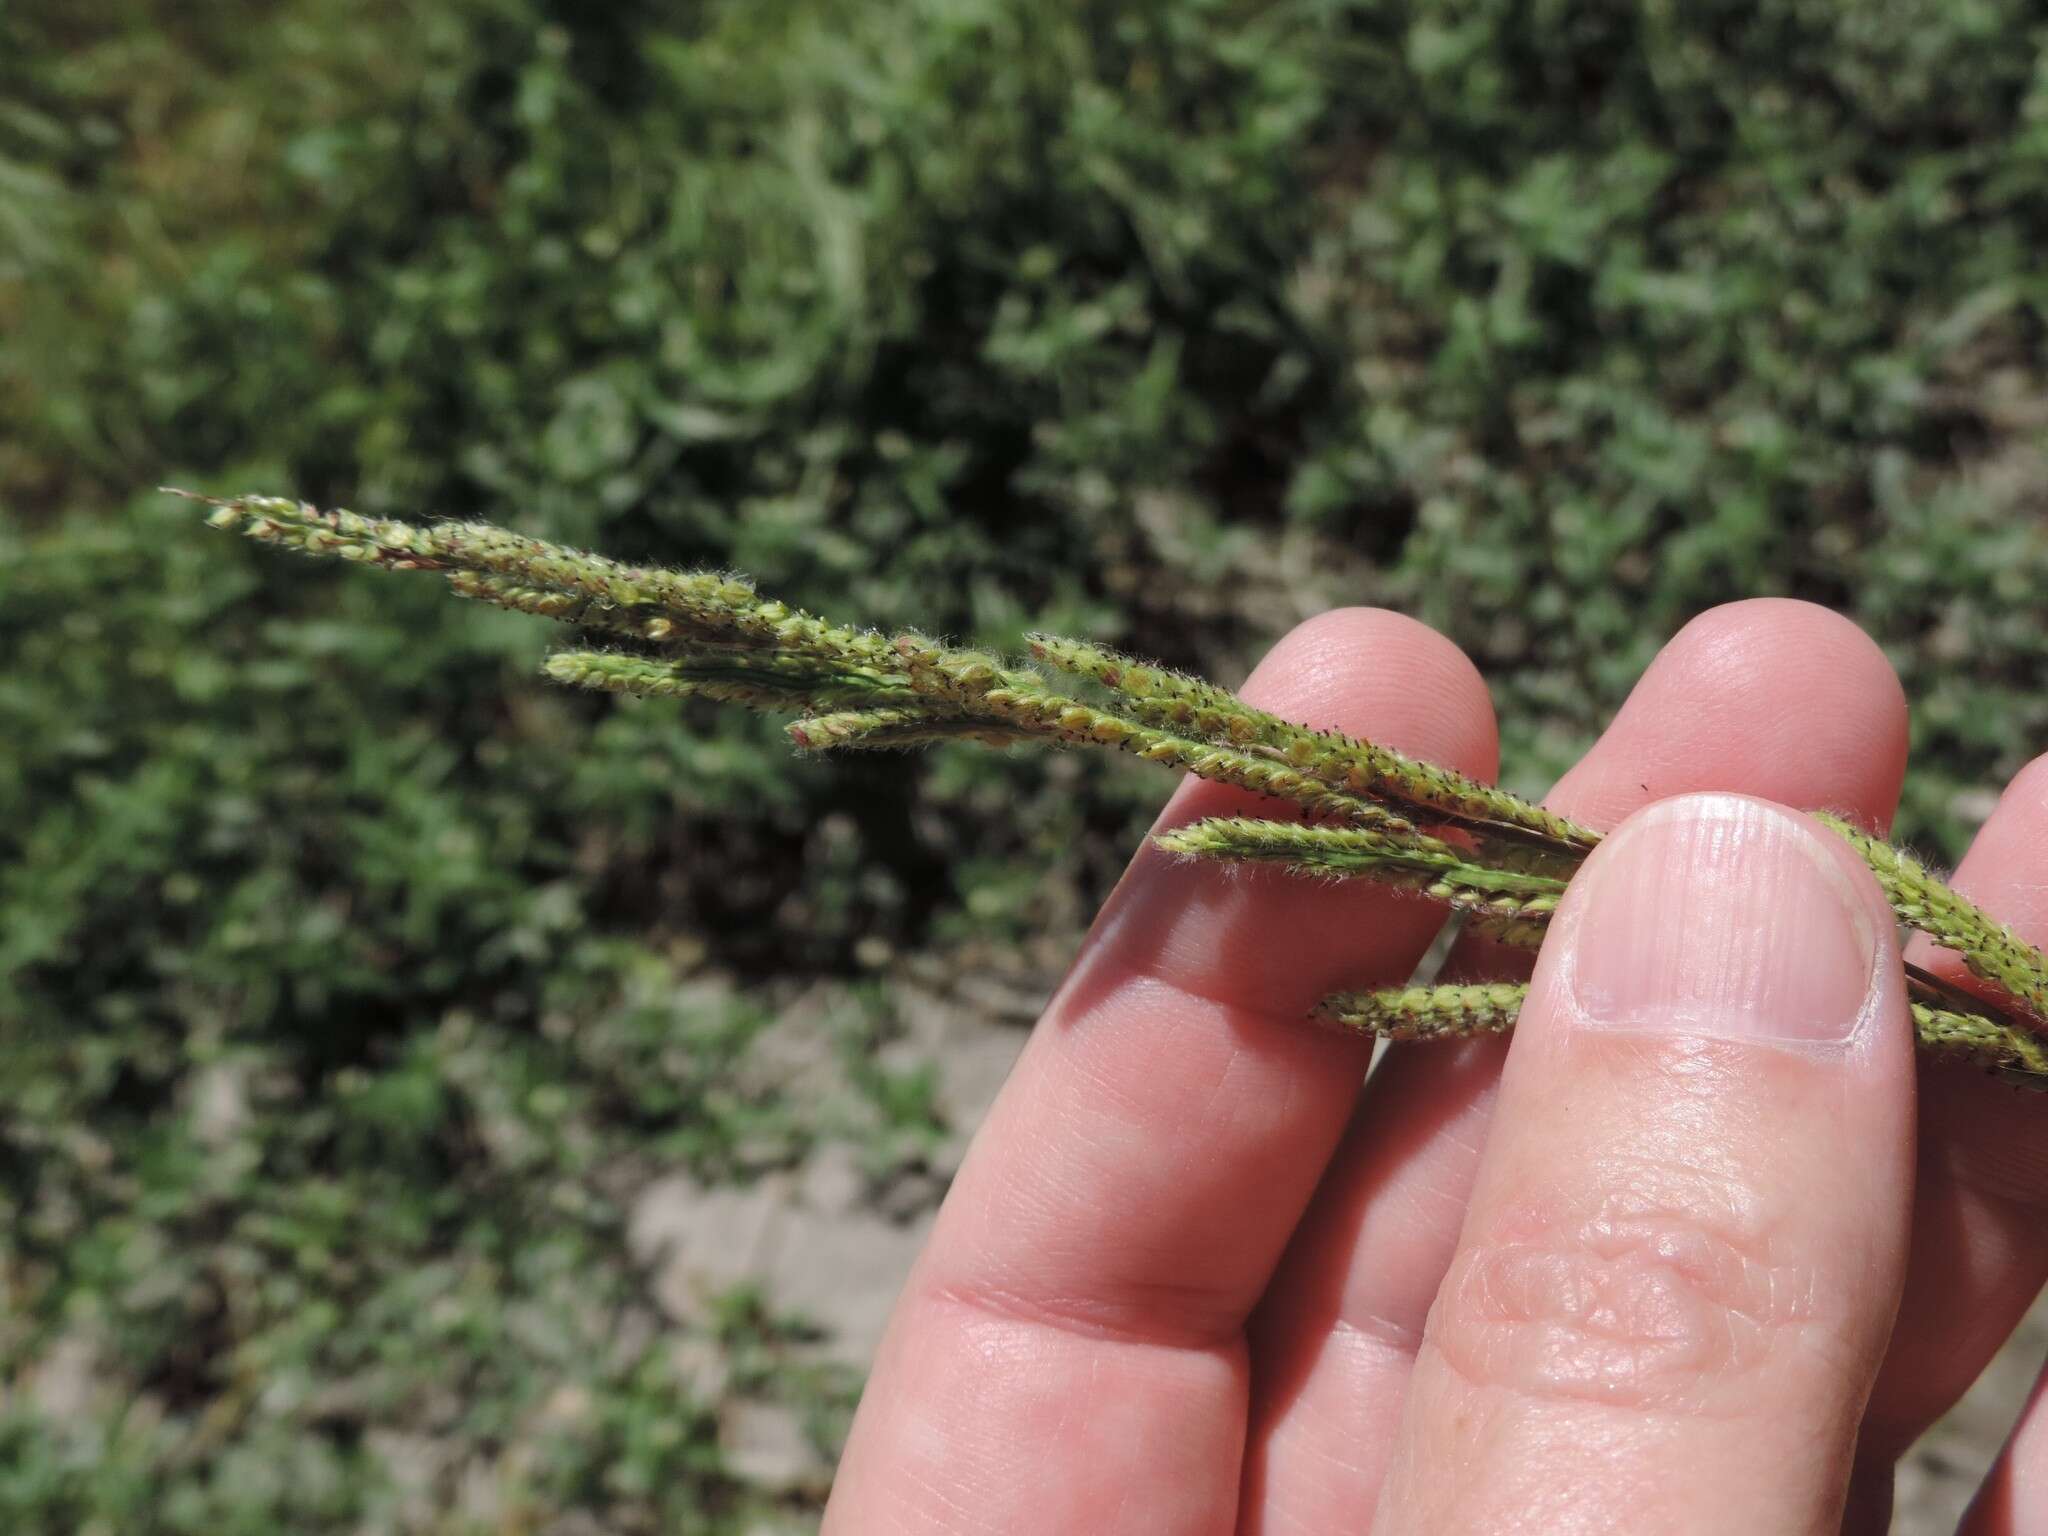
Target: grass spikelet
{"x": 771, "y": 683}
{"x": 2006, "y": 1049}
{"x": 913, "y": 725}
{"x": 1405, "y": 860}
{"x": 1506, "y": 864}
{"x": 1167, "y": 699}
{"x": 1357, "y": 767}
{"x": 1427, "y": 1013}
{"x": 711, "y": 603}
{"x": 1985, "y": 945}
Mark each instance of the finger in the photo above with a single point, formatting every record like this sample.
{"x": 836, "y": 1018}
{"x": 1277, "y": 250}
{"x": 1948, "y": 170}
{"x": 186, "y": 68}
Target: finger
{"x": 1804, "y": 697}
{"x": 1768, "y": 697}
{"x": 2014, "y": 1498}
{"x": 1068, "y": 1352}
{"x": 1684, "y": 1247}
{"x": 1784, "y": 700}
{"x": 1980, "y": 1225}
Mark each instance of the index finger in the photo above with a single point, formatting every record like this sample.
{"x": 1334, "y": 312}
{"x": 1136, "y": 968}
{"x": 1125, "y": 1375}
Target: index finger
{"x": 1068, "y": 1352}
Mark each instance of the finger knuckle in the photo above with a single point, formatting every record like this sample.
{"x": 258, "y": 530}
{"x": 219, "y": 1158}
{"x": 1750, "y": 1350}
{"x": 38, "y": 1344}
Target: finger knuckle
{"x": 1659, "y": 1289}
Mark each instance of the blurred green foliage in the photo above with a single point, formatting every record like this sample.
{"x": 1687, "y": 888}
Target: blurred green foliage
{"x": 346, "y": 970}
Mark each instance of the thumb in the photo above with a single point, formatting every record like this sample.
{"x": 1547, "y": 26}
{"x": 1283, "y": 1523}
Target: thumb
{"x": 1680, "y": 1265}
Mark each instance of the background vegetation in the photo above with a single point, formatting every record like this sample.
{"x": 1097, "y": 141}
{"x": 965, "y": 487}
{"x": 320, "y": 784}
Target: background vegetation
{"x": 352, "y": 980}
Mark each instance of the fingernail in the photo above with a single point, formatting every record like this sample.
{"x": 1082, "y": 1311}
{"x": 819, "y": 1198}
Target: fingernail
{"x": 1719, "y": 916}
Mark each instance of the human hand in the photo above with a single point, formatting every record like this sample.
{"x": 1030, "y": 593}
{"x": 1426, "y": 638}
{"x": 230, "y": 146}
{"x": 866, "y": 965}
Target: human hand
{"x": 1192, "y": 1278}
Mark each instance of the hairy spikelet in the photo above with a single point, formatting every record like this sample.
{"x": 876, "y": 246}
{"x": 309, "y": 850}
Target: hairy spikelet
{"x": 1405, "y": 860}
{"x": 577, "y": 608}
{"x": 1159, "y": 716}
{"x": 1427, "y": 1013}
{"x": 756, "y": 680}
{"x": 2014, "y": 1053}
{"x": 1157, "y": 696}
{"x": 979, "y": 683}
{"x": 1522, "y": 931}
{"x": 912, "y": 725}
{"x": 1364, "y": 767}
{"x": 1506, "y": 864}
{"x": 1491, "y": 1008}
{"x": 1348, "y": 764}
{"x": 705, "y": 603}
{"x": 1923, "y": 902}
{"x": 611, "y": 673}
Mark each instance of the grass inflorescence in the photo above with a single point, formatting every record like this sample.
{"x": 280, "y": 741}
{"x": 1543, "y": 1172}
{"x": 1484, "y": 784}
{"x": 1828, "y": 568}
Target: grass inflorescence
{"x": 1377, "y": 814}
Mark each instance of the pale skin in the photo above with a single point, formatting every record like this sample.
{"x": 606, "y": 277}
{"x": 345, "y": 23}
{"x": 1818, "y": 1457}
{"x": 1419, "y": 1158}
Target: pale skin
{"x": 1703, "y": 1249}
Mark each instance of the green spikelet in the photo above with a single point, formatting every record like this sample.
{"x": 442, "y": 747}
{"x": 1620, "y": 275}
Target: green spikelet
{"x": 1170, "y": 700}
{"x": 1923, "y": 902}
{"x": 577, "y": 608}
{"x": 1360, "y": 768}
{"x": 1427, "y": 1013}
{"x": 2015, "y": 1054}
{"x": 914, "y": 725}
{"x": 979, "y": 683}
{"x": 717, "y": 638}
{"x": 2009, "y": 1050}
{"x": 1522, "y": 931}
{"x": 776, "y": 684}
{"x": 709, "y": 603}
{"x": 610, "y": 673}
{"x": 1405, "y": 860}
